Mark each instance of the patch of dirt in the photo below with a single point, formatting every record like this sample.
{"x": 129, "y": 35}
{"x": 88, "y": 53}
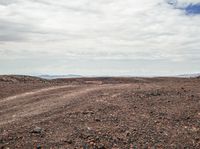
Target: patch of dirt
{"x": 100, "y": 113}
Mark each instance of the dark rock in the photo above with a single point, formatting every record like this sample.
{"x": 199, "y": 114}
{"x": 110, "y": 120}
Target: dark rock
{"x": 87, "y": 112}
{"x": 69, "y": 141}
{"x": 97, "y": 138}
{"x": 155, "y": 94}
{"x": 128, "y": 133}
{"x": 101, "y": 146}
{"x": 188, "y": 117}
{"x": 1, "y": 141}
{"x": 38, "y": 147}
{"x": 197, "y": 139}
{"x": 97, "y": 120}
{"x": 151, "y": 112}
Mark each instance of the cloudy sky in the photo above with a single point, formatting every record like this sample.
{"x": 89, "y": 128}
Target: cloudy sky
{"x": 100, "y": 37}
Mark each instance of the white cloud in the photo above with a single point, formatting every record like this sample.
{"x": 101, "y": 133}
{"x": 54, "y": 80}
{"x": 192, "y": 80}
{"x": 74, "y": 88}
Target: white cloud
{"x": 101, "y": 30}
{"x": 188, "y": 1}
{"x": 183, "y": 3}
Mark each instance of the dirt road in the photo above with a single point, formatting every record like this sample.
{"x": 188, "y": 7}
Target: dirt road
{"x": 124, "y": 114}
{"x": 28, "y": 104}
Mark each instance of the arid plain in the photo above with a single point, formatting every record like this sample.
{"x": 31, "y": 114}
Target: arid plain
{"x": 99, "y": 113}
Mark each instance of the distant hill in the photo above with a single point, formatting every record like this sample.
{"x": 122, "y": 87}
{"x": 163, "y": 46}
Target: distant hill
{"x": 50, "y": 77}
{"x": 20, "y": 79}
{"x": 196, "y": 75}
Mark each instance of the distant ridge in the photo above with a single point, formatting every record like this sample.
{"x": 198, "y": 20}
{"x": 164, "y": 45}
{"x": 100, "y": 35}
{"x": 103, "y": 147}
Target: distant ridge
{"x": 20, "y": 78}
{"x": 50, "y": 77}
{"x": 195, "y": 75}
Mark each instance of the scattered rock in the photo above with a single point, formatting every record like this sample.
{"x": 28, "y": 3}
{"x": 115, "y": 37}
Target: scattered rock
{"x": 146, "y": 116}
{"x": 155, "y": 94}
{"x": 37, "y": 130}
{"x": 101, "y": 146}
{"x": 1, "y": 141}
{"x": 87, "y": 112}
{"x": 128, "y": 133}
{"x": 97, "y": 120}
{"x": 197, "y": 139}
{"x": 188, "y": 117}
{"x": 69, "y": 141}
{"x": 38, "y": 147}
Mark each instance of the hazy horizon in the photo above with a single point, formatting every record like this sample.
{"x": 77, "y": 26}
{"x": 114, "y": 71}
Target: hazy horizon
{"x": 100, "y": 38}
{"x": 54, "y": 76}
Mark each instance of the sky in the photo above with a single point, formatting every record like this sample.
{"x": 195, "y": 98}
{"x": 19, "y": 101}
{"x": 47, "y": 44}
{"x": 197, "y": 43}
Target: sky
{"x": 100, "y": 37}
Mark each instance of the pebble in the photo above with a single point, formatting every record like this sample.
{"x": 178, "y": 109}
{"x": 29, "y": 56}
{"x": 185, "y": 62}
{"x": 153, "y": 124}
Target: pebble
{"x": 69, "y": 141}
{"x": 38, "y": 147}
{"x": 97, "y": 120}
{"x": 101, "y": 146}
{"x": 37, "y": 130}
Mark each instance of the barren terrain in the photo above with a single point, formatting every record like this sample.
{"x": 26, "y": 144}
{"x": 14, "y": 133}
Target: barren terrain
{"x": 99, "y": 113}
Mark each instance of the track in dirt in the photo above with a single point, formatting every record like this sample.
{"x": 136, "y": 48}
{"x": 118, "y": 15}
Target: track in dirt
{"x": 40, "y": 101}
{"x": 102, "y": 113}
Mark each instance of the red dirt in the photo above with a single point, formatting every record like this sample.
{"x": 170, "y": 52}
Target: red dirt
{"x": 99, "y": 113}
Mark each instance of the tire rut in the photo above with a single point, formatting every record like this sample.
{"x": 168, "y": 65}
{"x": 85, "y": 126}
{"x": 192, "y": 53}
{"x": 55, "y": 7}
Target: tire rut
{"x": 19, "y": 111}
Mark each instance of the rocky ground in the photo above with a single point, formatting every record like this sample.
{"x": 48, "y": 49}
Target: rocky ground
{"x": 99, "y": 113}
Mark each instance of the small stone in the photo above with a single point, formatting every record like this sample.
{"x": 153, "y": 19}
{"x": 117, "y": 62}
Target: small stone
{"x": 38, "y": 147}
{"x": 69, "y": 141}
{"x": 97, "y": 120}
{"x": 85, "y": 112}
{"x": 197, "y": 139}
{"x": 92, "y": 143}
{"x": 97, "y": 138}
{"x": 187, "y": 117}
{"x": 37, "y": 130}
{"x": 134, "y": 129}
{"x": 1, "y": 141}
{"x": 128, "y": 133}
{"x": 101, "y": 146}
{"x": 88, "y": 128}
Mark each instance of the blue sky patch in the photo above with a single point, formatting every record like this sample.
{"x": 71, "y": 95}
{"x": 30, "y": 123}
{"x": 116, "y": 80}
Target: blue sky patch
{"x": 190, "y": 8}
{"x": 193, "y": 9}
